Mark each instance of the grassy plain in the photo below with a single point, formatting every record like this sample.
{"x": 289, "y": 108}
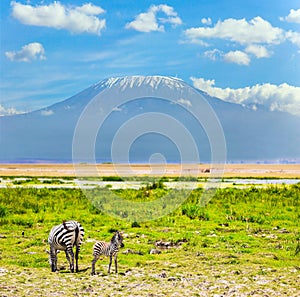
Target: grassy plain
{"x": 243, "y": 242}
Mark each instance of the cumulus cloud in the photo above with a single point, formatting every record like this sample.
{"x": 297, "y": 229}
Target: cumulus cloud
{"x": 206, "y": 21}
{"x": 241, "y": 31}
{"x": 117, "y": 109}
{"x": 185, "y": 102}
{"x": 28, "y": 53}
{"x": 213, "y": 54}
{"x": 150, "y": 21}
{"x": 47, "y": 112}
{"x": 281, "y": 97}
{"x": 254, "y": 37}
{"x": 293, "y": 16}
{"x": 258, "y": 51}
{"x": 237, "y": 57}
{"x": 77, "y": 20}
{"x": 8, "y": 111}
{"x": 293, "y": 37}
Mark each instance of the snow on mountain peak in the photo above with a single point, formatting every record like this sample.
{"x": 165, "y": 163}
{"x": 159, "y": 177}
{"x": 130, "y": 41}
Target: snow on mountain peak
{"x": 137, "y": 81}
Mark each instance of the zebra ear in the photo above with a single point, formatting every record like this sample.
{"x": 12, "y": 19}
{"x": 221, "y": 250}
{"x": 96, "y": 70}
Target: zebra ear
{"x": 48, "y": 252}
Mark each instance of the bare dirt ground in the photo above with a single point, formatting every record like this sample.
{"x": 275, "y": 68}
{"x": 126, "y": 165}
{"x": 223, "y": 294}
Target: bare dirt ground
{"x": 206, "y": 281}
{"x": 205, "y": 170}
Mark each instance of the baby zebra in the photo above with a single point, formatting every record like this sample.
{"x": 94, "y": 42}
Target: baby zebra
{"x": 64, "y": 237}
{"x": 109, "y": 249}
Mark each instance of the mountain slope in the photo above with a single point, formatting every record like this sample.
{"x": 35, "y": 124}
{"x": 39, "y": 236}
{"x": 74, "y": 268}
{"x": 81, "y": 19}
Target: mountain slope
{"x": 47, "y": 134}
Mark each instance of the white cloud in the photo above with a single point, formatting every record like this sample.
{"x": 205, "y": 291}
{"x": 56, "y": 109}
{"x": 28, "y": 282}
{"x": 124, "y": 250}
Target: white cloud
{"x": 258, "y": 51}
{"x": 214, "y": 54}
{"x": 185, "y": 102}
{"x": 8, "y": 111}
{"x": 255, "y": 37}
{"x": 149, "y": 21}
{"x": 90, "y": 9}
{"x": 206, "y": 21}
{"x": 78, "y": 19}
{"x": 47, "y": 112}
{"x": 256, "y": 31}
{"x": 117, "y": 109}
{"x": 237, "y": 57}
{"x": 281, "y": 97}
{"x": 293, "y": 37}
{"x": 29, "y": 52}
{"x": 293, "y": 17}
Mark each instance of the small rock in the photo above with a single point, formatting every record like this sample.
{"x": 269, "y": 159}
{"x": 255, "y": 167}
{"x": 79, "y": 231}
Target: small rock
{"x": 163, "y": 244}
{"x": 212, "y": 235}
{"x": 199, "y": 254}
{"x": 163, "y": 275}
{"x": 2, "y": 270}
{"x": 283, "y": 230}
{"x": 272, "y": 236}
{"x": 130, "y": 251}
{"x": 155, "y": 251}
{"x": 90, "y": 240}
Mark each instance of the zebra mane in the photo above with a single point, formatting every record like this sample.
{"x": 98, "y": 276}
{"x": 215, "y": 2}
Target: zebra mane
{"x": 113, "y": 239}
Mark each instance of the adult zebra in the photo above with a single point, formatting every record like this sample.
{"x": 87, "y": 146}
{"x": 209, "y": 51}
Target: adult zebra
{"x": 109, "y": 249}
{"x": 64, "y": 237}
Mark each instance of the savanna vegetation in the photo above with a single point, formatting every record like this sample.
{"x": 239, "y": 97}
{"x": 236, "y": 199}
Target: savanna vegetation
{"x": 242, "y": 242}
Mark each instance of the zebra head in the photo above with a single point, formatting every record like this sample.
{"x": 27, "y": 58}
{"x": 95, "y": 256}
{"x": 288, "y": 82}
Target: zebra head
{"x": 118, "y": 239}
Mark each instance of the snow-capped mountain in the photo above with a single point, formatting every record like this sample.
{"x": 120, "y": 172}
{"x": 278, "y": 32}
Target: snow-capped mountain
{"x": 47, "y": 134}
{"x": 138, "y": 81}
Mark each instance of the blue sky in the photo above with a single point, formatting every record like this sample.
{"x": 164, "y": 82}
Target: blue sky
{"x": 247, "y": 52}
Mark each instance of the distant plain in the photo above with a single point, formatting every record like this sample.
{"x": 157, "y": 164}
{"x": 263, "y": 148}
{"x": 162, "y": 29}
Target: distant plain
{"x": 202, "y": 170}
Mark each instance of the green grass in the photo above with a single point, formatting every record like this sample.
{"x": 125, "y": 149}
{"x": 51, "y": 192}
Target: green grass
{"x": 241, "y": 235}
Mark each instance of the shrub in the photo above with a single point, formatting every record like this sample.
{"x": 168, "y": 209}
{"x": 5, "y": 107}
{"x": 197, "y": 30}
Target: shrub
{"x": 135, "y": 225}
{"x": 194, "y": 212}
{"x": 112, "y": 178}
{"x": 3, "y": 211}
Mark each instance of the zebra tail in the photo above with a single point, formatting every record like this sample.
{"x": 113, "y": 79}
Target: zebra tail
{"x": 76, "y": 234}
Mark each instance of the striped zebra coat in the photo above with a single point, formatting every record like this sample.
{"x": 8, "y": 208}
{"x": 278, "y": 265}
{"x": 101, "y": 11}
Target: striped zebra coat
{"x": 64, "y": 237}
{"x": 109, "y": 249}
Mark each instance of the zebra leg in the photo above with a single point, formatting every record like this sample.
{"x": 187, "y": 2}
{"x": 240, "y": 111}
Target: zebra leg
{"x": 68, "y": 257}
{"x": 110, "y": 261}
{"x": 69, "y": 251}
{"x": 55, "y": 262}
{"x": 93, "y": 264}
{"x": 76, "y": 257}
{"x": 53, "y": 259}
{"x": 116, "y": 263}
{"x": 72, "y": 260}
